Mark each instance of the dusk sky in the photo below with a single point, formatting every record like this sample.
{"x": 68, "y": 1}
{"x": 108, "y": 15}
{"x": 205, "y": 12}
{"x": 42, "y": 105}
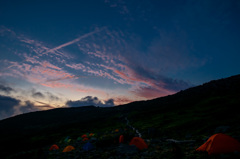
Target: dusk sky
{"x": 110, "y": 52}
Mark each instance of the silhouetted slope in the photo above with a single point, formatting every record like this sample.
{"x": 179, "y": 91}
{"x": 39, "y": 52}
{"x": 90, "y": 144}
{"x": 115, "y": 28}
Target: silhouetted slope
{"x": 197, "y": 111}
{"x": 36, "y": 129}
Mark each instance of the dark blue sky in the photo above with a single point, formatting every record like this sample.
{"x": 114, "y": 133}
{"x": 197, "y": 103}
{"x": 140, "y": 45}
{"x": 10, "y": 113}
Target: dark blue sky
{"x": 111, "y": 52}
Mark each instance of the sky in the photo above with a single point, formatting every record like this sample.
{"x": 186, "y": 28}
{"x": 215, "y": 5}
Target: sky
{"x": 110, "y": 52}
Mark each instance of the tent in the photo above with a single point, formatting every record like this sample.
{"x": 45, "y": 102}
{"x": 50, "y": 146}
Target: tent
{"x": 85, "y": 139}
{"x": 121, "y": 139}
{"x": 88, "y": 146}
{"x": 54, "y": 147}
{"x": 91, "y": 134}
{"x": 84, "y": 136}
{"x": 220, "y": 143}
{"x": 68, "y": 148}
{"x": 139, "y": 143}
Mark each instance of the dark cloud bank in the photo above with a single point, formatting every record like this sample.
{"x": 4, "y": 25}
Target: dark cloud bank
{"x": 7, "y": 105}
{"x": 6, "y": 89}
{"x": 89, "y": 100}
{"x": 10, "y": 106}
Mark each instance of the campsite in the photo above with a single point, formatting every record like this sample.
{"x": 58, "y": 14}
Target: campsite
{"x": 203, "y": 124}
{"x": 119, "y": 79}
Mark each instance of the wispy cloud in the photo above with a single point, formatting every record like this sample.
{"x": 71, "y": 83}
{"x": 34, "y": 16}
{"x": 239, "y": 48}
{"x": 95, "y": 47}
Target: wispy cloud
{"x": 107, "y": 55}
{"x": 66, "y": 78}
{"x": 119, "y": 4}
{"x": 143, "y": 82}
{"x": 34, "y": 46}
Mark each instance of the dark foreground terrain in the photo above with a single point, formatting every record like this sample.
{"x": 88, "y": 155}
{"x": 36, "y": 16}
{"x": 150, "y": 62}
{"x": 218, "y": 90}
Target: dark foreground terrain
{"x": 172, "y": 126}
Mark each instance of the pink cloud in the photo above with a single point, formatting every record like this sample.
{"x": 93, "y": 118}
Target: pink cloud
{"x": 125, "y": 76}
{"x": 142, "y": 86}
{"x": 57, "y": 85}
{"x": 98, "y": 54}
{"x": 109, "y": 76}
{"x": 129, "y": 75}
{"x": 77, "y": 66}
{"x": 41, "y": 72}
{"x": 150, "y": 93}
{"x": 47, "y": 64}
{"x": 122, "y": 100}
{"x": 97, "y": 72}
{"x": 33, "y": 59}
{"x": 63, "y": 78}
{"x": 34, "y": 46}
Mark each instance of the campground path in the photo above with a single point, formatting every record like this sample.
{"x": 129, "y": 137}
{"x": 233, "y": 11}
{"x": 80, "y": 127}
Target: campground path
{"x": 136, "y": 130}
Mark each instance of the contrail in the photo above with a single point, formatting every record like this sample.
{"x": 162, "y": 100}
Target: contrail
{"x": 74, "y": 41}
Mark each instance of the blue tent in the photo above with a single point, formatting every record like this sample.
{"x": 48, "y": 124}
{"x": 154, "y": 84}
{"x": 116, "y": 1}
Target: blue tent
{"x": 88, "y": 146}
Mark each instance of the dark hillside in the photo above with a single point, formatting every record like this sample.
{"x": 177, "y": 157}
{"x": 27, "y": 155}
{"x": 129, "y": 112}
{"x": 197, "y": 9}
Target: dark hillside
{"x": 37, "y": 129}
{"x": 197, "y": 112}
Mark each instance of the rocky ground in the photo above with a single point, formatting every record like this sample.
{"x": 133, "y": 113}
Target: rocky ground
{"x": 107, "y": 147}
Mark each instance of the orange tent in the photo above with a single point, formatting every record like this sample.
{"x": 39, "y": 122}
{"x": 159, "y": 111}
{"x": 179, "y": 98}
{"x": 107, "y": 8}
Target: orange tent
{"x": 54, "y": 147}
{"x": 91, "y": 134}
{"x": 220, "y": 143}
{"x": 139, "y": 143}
{"x": 121, "y": 139}
{"x": 68, "y": 148}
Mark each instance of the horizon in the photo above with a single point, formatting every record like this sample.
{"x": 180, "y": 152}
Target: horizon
{"x": 105, "y": 53}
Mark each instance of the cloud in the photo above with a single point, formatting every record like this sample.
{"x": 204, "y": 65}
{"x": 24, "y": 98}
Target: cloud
{"x": 65, "y": 78}
{"x": 7, "y": 105}
{"x": 119, "y": 61}
{"x": 89, "y": 100}
{"x": 43, "y": 73}
{"x": 6, "y": 89}
{"x": 10, "y": 106}
{"x": 45, "y": 95}
{"x": 150, "y": 92}
{"x": 122, "y": 100}
{"x": 106, "y": 55}
{"x": 120, "y": 5}
{"x": 41, "y": 105}
{"x": 28, "y": 106}
{"x": 109, "y": 102}
{"x": 38, "y": 95}
{"x": 52, "y": 97}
